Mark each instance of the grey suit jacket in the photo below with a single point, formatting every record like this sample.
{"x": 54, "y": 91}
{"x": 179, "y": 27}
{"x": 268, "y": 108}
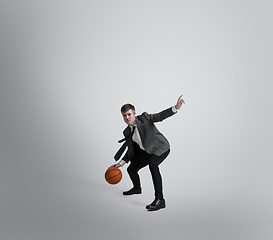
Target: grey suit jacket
{"x": 152, "y": 139}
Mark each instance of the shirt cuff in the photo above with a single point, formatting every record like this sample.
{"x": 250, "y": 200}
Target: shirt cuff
{"x": 174, "y": 109}
{"x": 122, "y": 162}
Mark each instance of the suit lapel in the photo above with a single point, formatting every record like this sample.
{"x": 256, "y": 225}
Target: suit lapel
{"x": 140, "y": 129}
{"x": 127, "y": 132}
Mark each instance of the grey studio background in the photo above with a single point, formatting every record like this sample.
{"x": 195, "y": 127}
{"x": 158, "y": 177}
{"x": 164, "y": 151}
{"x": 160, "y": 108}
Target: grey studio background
{"x": 68, "y": 66}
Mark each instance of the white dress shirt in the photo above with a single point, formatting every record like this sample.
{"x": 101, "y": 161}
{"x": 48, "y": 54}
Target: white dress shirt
{"x": 136, "y": 137}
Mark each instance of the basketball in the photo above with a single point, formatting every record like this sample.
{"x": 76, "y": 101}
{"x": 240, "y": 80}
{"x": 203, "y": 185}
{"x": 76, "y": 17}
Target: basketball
{"x": 113, "y": 175}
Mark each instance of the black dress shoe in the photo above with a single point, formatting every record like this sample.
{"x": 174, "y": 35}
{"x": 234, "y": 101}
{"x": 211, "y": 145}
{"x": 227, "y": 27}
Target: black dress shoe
{"x": 156, "y": 205}
{"x": 133, "y": 191}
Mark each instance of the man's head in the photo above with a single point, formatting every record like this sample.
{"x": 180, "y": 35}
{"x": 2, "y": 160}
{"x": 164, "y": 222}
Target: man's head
{"x": 128, "y": 113}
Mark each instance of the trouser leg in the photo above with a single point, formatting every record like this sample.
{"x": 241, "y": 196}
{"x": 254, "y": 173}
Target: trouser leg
{"x": 138, "y": 162}
{"x": 154, "y": 162}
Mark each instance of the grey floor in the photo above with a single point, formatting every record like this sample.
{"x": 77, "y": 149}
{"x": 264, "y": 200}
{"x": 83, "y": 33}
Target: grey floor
{"x": 67, "y": 67}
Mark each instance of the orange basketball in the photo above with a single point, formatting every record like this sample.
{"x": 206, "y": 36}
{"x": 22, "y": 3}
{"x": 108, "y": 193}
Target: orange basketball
{"x": 113, "y": 175}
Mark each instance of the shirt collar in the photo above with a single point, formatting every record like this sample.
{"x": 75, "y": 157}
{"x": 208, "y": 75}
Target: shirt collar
{"x": 133, "y": 125}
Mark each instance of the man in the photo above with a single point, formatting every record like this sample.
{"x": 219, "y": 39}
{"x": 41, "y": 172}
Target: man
{"x": 146, "y": 146}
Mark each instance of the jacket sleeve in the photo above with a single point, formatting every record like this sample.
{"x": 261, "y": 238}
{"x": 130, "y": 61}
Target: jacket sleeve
{"x": 158, "y": 117}
{"x": 128, "y": 155}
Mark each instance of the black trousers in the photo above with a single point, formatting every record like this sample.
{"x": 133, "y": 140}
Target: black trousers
{"x": 141, "y": 160}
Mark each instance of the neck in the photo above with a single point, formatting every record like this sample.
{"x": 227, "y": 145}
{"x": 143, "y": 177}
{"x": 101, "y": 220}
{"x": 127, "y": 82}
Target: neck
{"x": 132, "y": 124}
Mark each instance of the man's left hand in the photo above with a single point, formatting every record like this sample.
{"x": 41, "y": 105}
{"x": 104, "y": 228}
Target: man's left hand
{"x": 179, "y": 103}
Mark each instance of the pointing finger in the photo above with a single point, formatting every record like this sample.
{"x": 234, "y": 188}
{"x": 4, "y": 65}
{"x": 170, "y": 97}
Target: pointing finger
{"x": 180, "y": 97}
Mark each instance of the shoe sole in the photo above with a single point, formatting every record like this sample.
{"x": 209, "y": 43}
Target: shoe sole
{"x": 150, "y": 210}
{"x": 126, "y": 194}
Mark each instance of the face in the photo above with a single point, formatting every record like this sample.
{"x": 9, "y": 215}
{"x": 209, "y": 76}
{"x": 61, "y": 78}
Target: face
{"x": 129, "y": 117}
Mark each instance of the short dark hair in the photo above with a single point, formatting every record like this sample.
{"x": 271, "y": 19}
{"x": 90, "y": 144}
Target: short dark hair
{"x": 127, "y": 107}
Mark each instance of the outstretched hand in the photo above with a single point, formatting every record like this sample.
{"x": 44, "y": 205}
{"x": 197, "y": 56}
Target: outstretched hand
{"x": 116, "y": 165}
{"x": 179, "y": 103}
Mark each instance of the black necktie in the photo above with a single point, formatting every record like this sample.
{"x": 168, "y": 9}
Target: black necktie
{"x": 127, "y": 141}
